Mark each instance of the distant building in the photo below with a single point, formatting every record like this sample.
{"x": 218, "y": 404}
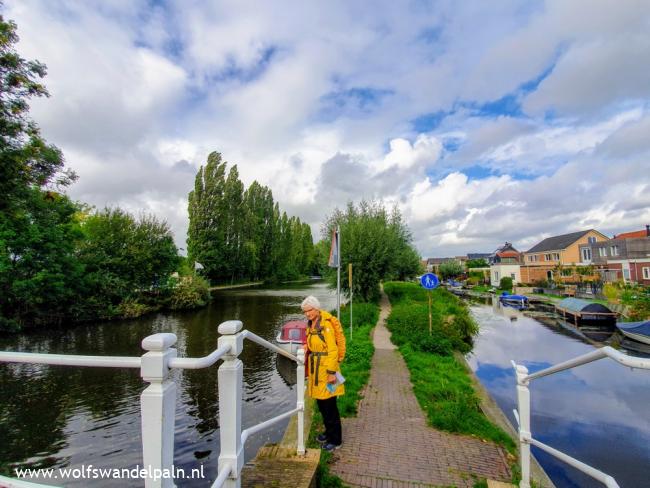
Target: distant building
{"x": 625, "y": 257}
{"x": 571, "y": 249}
{"x": 505, "y": 262}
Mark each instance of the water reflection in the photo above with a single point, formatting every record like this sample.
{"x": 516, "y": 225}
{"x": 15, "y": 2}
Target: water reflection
{"x": 54, "y": 416}
{"x": 596, "y": 412}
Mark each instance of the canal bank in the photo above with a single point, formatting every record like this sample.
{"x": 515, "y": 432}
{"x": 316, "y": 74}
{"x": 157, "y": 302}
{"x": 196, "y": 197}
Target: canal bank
{"x": 390, "y": 441}
{"x": 596, "y": 413}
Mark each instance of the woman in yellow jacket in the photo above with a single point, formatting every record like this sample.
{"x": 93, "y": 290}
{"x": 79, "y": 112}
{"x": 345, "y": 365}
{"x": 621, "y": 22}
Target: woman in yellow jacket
{"x": 323, "y": 366}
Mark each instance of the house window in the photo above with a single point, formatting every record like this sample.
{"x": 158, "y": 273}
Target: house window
{"x": 496, "y": 276}
{"x": 556, "y": 256}
{"x": 586, "y": 254}
{"x": 602, "y": 252}
{"x": 533, "y": 257}
{"x": 626, "y": 274}
{"x": 646, "y": 273}
{"x": 512, "y": 275}
{"x": 591, "y": 240}
{"x": 547, "y": 257}
{"x": 614, "y": 250}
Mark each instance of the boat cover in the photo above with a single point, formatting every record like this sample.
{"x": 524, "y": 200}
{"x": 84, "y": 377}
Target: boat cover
{"x": 642, "y": 328}
{"x": 577, "y": 305}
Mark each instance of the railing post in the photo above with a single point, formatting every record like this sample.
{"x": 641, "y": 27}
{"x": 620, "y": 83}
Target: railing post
{"x": 231, "y": 379}
{"x": 157, "y": 409}
{"x": 523, "y": 407}
{"x": 300, "y": 399}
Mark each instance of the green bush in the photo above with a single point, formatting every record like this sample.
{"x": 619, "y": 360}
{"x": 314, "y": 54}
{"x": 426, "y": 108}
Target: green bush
{"x": 452, "y": 326}
{"x": 130, "y": 309}
{"x": 505, "y": 283}
{"x": 189, "y": 292}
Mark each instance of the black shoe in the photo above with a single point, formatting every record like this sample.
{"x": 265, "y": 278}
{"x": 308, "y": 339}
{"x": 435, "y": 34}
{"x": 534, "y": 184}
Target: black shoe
{"x": 329, "y": 447}
{"x": 321, "y": 438}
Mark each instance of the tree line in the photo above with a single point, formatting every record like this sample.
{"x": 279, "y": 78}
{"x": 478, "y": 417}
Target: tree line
{"x": 238, "y": 233}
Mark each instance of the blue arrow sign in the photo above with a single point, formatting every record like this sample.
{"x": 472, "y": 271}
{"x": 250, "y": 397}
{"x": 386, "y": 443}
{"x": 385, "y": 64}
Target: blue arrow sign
{"x": 429, "y": 281}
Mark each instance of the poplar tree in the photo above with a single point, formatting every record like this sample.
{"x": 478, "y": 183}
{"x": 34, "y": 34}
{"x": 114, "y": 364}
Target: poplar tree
{"x": 206, "y": 233}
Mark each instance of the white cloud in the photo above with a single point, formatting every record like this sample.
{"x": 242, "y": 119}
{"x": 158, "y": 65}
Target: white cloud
{"x": 319, "y": 105}
{"x": 403, "y": 155}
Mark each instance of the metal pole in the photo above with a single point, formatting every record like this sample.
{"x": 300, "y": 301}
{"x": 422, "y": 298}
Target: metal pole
{"x": 523, "y": 406}
{"x": 338, "y": 273}
{"x": 300, "y": 400}
{"x": 430, "y": 325}
{"x": 158, "y": 404}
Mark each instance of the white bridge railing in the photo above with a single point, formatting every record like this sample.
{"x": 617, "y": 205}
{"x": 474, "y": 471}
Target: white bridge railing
{"x": 522, "y": 415}
{"x": 158, "y": 400}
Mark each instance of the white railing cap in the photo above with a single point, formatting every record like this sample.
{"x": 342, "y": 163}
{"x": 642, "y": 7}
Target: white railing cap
{"x": 159, "y": 342}
{"x": 230, "y": 327}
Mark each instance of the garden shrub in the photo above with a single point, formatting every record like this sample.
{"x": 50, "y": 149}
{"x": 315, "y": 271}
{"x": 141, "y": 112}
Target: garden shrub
{"x": 190, "y": 292}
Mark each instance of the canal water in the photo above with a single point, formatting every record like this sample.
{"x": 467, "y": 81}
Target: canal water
{"x": 56, "y": 416}
{"x": 598, "y": 413}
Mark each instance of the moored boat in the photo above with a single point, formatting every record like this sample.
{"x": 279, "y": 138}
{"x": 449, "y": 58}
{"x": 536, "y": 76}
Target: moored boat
{"x": 583, "y": 312}
{"x": 513, "y": 300}
{"x": 292, "y": 336}
{"x": 639, "y": 331}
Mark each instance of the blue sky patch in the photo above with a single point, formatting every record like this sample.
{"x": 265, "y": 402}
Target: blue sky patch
{"x": 428, "y": 122}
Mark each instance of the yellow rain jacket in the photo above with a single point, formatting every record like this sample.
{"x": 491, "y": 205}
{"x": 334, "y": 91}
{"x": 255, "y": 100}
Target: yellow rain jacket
{"x": 323, "y": 358}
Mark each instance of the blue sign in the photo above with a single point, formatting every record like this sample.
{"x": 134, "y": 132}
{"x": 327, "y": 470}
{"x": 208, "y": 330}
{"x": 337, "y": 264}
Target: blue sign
{"x": 429, "y": 281}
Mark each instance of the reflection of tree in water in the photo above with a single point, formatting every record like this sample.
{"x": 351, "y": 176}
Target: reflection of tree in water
{"x": 68, "y": 416}
{"x": 257, "y": 312}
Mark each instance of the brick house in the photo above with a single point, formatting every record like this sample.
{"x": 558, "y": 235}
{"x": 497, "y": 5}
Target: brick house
{"x": 625, "y": 257}
{"x": 541, "y": 261}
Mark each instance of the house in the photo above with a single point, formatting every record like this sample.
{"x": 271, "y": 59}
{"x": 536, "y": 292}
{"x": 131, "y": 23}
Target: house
{"x": 505, "y": 261}
{"x": 478, "y": 255}
{"x": 625, "y": 257}
{"x": 433, "y": 264}
{"x": 542, "y": 260}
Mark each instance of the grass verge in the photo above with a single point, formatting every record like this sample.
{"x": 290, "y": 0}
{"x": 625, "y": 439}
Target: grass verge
{"x": 356, "y": 370}
{"x": 441, "y": 384}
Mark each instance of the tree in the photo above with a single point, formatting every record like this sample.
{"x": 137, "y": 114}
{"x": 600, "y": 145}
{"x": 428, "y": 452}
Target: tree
{"x": 477, "y": 263}
{"x": 38, "y": 274}
{"x": 206, "y": 242}
{"x": 124, "y": 258}
{"x": 450, "y": 269}
{"x": 377, "y": 244}
{"x": 238, "y": 233}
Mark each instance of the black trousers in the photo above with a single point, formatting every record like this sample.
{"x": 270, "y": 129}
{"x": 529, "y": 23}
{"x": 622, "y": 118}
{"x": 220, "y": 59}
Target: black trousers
{"x": 332, "y": 420}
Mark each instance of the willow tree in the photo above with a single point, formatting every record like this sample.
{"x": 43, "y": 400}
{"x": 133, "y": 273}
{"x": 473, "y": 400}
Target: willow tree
{"x": 376, "y": 242}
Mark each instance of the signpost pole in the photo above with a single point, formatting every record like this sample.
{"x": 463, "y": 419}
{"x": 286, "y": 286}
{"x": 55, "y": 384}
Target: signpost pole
{"x": 338, "y": 273}
{"x": 430, "y": 326}
{"x": 351, "y": 293}
{"x": 429, "y": 281}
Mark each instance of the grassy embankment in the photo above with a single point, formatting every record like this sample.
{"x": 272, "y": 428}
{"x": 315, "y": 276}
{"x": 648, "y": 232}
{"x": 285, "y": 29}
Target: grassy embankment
{"x": 442, "y": 385}
{"x": 356, "y": 370}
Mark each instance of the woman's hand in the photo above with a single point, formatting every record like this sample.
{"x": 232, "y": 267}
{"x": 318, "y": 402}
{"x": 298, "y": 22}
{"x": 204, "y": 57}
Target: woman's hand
{"x": 331, "y": 378}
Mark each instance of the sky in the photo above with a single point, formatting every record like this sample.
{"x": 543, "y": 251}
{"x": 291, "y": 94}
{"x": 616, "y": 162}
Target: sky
{"x": 484, "y": 122}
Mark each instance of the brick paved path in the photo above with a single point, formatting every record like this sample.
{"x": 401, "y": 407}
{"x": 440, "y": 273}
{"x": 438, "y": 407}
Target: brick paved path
{"x": 389, "y": 443}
